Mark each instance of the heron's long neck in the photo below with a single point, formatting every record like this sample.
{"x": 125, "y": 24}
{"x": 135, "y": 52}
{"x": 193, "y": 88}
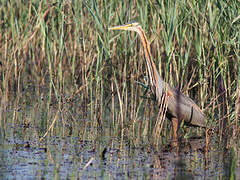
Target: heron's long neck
{"x": 155, "y": 80}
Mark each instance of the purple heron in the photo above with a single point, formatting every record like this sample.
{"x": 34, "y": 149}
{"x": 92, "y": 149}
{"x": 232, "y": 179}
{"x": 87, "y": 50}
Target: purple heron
{"x": 179, "y": 106}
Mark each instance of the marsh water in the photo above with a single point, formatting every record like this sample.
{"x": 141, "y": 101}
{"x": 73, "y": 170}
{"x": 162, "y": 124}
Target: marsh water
{"x": 76, "y": 147}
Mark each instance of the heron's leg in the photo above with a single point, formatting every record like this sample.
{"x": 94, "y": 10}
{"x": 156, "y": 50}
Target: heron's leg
{"x": 175, "y": 127}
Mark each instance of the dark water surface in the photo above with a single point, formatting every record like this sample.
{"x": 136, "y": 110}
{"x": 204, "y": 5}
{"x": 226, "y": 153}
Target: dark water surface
{"x": 70, "y": 157}
{"x": 82, "y": 151}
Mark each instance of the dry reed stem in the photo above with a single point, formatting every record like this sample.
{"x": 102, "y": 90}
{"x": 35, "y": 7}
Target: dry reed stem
{"x": 120, "y": 102}
{"x": 37, "y": 27}
{"x": 50, "y": 127}
{"x": 237, "y": 115}
{"x": 208, "y": 137}
{"x": 161, "y": 117}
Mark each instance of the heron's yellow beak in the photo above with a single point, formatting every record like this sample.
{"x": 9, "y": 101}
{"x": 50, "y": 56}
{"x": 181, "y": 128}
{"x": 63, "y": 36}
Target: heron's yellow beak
{"x": 121, "y": 27}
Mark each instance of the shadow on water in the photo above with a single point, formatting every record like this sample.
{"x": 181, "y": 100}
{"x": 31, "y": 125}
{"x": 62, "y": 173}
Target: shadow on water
{"x": 77, "y": 148}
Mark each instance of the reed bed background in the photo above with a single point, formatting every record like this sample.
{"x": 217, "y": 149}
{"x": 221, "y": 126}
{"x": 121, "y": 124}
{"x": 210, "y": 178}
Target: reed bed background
{"x": 63, "y": 53}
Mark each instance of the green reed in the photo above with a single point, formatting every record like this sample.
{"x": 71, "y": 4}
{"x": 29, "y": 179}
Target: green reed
{"x": 66, "y": 48}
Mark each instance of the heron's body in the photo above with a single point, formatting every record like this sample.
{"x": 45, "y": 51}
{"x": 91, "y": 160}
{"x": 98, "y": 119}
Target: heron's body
{"x": 179, "y": 106}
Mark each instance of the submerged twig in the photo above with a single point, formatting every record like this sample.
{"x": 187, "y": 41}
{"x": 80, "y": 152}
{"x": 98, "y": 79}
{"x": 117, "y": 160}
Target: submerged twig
{"x": 51, "y": 126}
{"x": 88, "y": 163}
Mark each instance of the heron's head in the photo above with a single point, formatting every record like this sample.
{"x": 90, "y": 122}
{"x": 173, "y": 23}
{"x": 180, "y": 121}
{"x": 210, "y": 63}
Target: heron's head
{"x": 133, "y": 26}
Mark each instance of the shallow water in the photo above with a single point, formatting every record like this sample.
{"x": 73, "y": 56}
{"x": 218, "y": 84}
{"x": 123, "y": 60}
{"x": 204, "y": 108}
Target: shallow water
{"x": 70, "y": 157}
{"x": 87, "y": 152}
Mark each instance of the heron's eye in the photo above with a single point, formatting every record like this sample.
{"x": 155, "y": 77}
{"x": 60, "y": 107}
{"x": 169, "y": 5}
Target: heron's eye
{"x": 134, "y": 24}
